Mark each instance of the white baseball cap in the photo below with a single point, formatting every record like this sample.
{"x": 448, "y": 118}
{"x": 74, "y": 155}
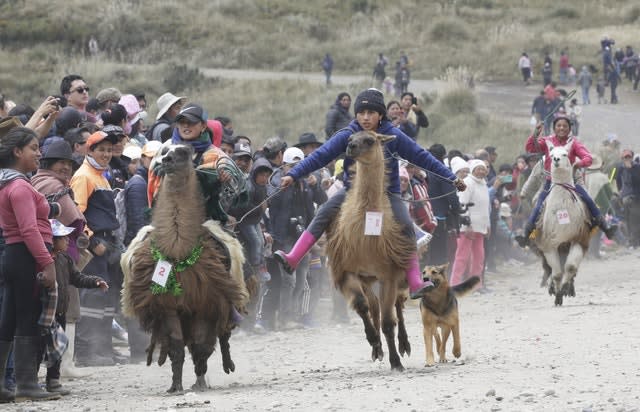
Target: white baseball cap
{"x": 292, "y": 155}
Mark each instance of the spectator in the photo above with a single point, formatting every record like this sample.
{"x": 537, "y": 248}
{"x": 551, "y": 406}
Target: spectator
{"x": 107, "y": 98}
{"x": 379, "y": 72}
{"x": 614, "y": 78}
{"x": 228, "y": 144}
{"x": 338, "y": 116}
{"x": 563, "y": 67}
{"x": 575, "y": 115}
{"x": 538, "y": 107}
{"x": 547, "y": 74}
{"x": 585, "y": 80}
{"x": 628, "y": 183}
{"x": 96, "y": 201}
{"x": 399, "y": 119}
{"x": 493, "y": 156}
{"x": 67, "y": 276}
{"x": 413, "y": 113}
{"x": 77, "y": 139}
{"x": 76, "y": 91}
{"x": 27, "y": 233}
{"x": 601, "y": 87}
{"x": 168, "y": 108}
{"x": 470, "y": 247}
{"x": 243, "y": 157}
{"x": 524, "y": 64}
{"x": 600, "y": 190}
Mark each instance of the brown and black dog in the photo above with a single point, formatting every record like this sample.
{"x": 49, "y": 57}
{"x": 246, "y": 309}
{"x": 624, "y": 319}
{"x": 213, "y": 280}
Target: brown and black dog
{"x": 439, "y": 308}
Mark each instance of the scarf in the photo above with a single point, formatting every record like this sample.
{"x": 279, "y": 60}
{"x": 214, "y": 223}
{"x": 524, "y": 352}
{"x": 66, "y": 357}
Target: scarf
{"x": 95, "y": 164}
{"x": 199, "y": 145}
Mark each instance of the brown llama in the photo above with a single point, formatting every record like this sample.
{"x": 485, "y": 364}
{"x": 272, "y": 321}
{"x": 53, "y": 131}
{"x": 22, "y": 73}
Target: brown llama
{"x": 357, "y": 261}
{"x": 194, "y": 307}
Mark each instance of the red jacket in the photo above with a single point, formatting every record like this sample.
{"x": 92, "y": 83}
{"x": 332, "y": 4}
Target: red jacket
{"x": 579, "y": 155}
{"x": 421, "y": 212}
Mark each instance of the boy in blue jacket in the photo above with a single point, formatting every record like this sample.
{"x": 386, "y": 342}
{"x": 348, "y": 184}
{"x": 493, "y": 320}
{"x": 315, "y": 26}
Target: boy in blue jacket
{"x": 370, "y": 116}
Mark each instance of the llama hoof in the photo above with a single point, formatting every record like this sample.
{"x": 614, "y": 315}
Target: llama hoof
{"x": 558, "y": 299}
{"x": 552, "y": 289}
{"x": 572, "y": 290}
{"x": 404, "y": 348}
{"x": 176, "y": 389}
{"x": 377, "y": 353}
{"x": 444, "y": 360}
{"x": 457, "y": 353}
{"x": 398, "y": 368}
{"x": 229, "y": 367}
{"x": 200, "y": 385}
{"x": 429, "y": 364}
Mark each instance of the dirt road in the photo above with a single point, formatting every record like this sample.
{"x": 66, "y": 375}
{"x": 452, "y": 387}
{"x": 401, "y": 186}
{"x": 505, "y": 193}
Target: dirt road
{"x": 519, "y": 353}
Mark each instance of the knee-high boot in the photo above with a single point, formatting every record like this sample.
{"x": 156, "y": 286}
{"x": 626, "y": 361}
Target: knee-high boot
{"x": 27, "y": 352}
{"x": 5, "y": 394}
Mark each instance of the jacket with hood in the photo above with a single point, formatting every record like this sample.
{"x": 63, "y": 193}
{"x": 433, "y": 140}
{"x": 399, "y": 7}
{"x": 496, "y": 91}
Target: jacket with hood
{"x": 95, "y": 198}
{"x": 337, "y": 118}
{"x": 402, "y": 145}
{"x": 477, "y": 193}
{"x": 67, "y": 274}
{"x": 135, "y": 197}
{"x": 24, "y": 216}
{"x": 50, "y": 183}
{"x": 256, "y": 193}
{"x": 579, "y": 155}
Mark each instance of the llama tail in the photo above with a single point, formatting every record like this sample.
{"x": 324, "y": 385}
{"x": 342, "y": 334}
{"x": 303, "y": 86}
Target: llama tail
{"x": 466, "y": 286}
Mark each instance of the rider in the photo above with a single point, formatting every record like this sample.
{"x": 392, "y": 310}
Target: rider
{"x": 370, "y": 116}
{"x": 579, "y": 156}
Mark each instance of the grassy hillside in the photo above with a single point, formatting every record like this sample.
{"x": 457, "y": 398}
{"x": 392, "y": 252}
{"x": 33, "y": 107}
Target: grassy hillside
{"x": 154, "y": 46}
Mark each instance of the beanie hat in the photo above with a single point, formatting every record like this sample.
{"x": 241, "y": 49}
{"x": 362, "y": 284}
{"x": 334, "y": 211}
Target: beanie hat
{"x": 458, "y": 163}
{"x": 476, "y": 163}
{"x": 371, "y": 99}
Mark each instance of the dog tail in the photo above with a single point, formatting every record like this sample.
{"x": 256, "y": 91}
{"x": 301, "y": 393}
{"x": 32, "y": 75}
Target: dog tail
{"x": 466, "y": 286}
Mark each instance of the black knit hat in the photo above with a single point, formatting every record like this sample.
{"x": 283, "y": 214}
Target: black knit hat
{"x": 371, "y": 99}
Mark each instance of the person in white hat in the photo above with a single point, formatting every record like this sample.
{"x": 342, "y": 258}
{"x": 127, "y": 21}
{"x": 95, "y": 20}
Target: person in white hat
{"x": 470, "y": 244}
{"x": 169, "y": 105}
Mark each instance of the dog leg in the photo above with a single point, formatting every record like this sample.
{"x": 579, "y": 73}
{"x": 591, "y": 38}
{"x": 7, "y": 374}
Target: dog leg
{"x": 429, "y": 333}
{"x": 457, "y": 347}
{"x": 442, "y": 348}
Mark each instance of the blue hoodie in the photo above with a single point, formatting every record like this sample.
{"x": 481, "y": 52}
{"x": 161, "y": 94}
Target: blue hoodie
{"x": 402, "y": 145}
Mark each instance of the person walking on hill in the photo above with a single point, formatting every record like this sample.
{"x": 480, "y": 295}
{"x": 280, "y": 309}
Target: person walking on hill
{"x": 585, "y": 80}
{"x": 379, "y": 72}
{"x": 614, "y": 79}
{"x": 327, "y": 67}
{"x": 563, "y": 66}
{"x": 524, "y": 64}
{"x": 338, "y": 115}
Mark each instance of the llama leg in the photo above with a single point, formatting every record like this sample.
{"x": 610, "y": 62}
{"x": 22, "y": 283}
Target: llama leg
{"x": 204, "y": 341}
{"x": 553, "y": 259}
{"x": 576, "y": 254}
{"x": 352, "y": 289}
{"x": 388, "y": 303}
{"x": 404, "y": 347}
{"x": 227, "y": 363}
{"x": 374, "y": 306}
{"x": 176, "y": 354}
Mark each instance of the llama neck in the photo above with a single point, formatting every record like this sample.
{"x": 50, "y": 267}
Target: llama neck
{"x": 369, "y": 184}
{"x": 562, "y": 176}
{"x": 178, "y": 216}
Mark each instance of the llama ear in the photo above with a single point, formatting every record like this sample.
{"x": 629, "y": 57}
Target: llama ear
{"x": 385, "y": 138}
{"x": 569, "y": 145}
{"x": 550, "y": 145}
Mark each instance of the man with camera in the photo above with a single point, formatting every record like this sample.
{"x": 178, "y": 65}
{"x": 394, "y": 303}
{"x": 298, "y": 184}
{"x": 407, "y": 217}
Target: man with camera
{"x": 290, "y": 211}
{"x": 413, "y": 113}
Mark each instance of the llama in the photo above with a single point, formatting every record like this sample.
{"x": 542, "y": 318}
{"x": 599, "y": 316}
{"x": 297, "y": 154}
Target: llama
{"x": 357, "y": 261}
{"x": 563, "y": 227}
{"x": 194, "y": 306}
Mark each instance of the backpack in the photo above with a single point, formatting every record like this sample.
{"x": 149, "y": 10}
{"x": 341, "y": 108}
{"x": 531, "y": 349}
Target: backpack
{"x": 121, "y": 214}
{"x": 149, "y": 133}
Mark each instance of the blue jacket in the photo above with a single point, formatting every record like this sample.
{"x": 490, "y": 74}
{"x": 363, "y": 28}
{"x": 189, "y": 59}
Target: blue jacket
{"x": 402, "y": 145}
{"x": 135, "y": 195}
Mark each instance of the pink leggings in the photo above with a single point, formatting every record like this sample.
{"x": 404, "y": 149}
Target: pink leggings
{"x": 469, "y": 254}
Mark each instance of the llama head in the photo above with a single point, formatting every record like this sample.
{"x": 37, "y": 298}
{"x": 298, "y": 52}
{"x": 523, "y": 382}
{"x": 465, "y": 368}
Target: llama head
{"x": 366, "y": 144}
{"x": 173, "y": 160}
{"x": 561, "y": 167}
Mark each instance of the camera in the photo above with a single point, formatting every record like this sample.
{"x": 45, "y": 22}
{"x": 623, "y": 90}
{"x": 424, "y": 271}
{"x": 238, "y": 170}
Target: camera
{"x": 414, "y": 100}
{"x": 54, "y": 210}
{"x": 297, "y": 225}
{"x": 465, "y": 220}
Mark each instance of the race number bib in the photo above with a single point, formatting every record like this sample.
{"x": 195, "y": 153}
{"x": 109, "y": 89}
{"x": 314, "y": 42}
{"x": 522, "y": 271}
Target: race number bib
{"x": 161, "y": 273}
{"x": 373, "y": 224}
{"x": 563, "y": 217}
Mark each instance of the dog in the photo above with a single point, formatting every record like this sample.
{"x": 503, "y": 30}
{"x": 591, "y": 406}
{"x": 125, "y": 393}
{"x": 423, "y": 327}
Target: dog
{"x": 439, "y": 308}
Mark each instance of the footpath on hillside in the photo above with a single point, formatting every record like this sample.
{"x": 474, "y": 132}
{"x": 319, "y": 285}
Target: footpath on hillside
{"x": 507, "y": 100}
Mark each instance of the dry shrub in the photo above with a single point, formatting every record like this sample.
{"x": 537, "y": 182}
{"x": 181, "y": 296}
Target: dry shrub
{"x": 449, "y": 30}
{"x": 565, "y": 13}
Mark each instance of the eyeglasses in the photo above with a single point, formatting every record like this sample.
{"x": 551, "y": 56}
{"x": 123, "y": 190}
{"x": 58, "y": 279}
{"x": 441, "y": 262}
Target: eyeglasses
{"x": 81, "y": 90}
{"x": 627, "y": 157}
{"x": 82, "y": 142}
